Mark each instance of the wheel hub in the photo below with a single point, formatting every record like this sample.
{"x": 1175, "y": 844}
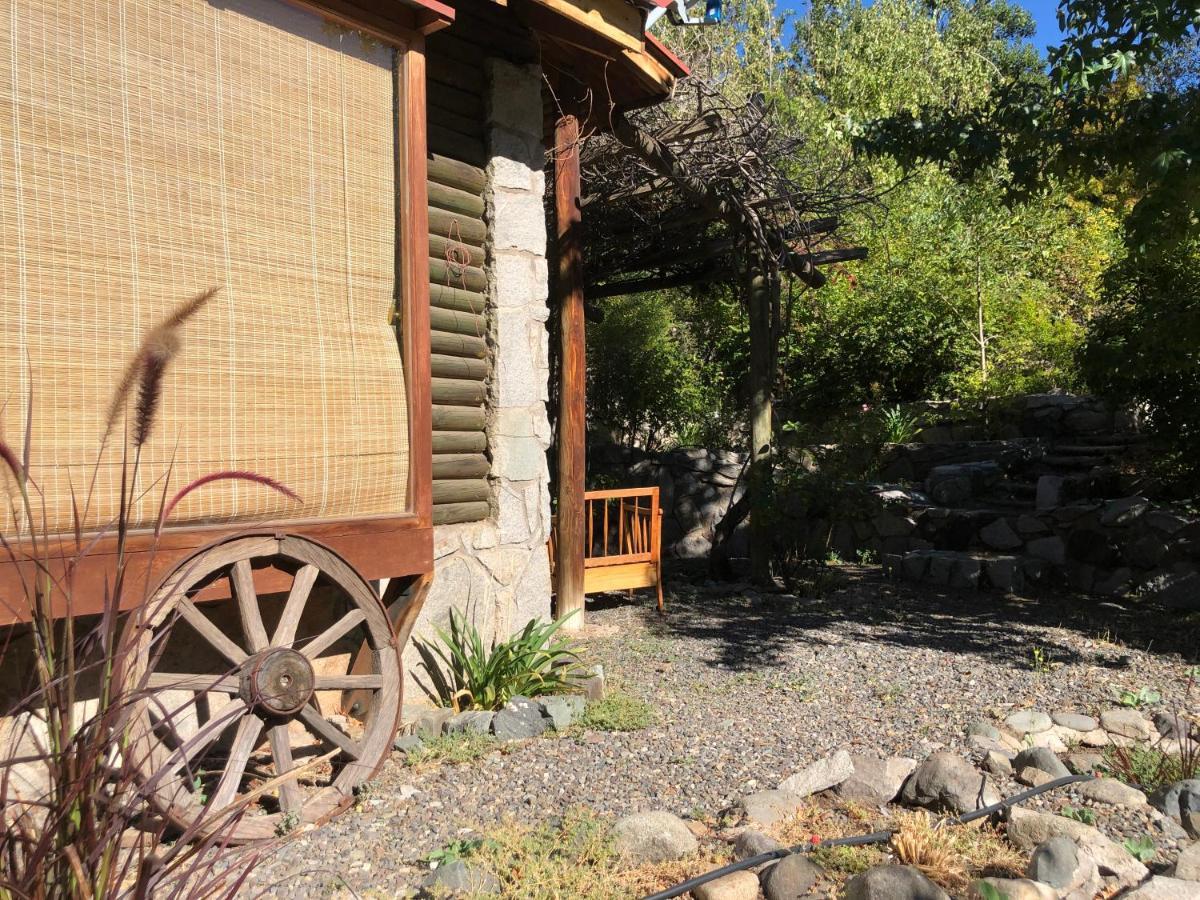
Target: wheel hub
{"x": 278, "y": 682}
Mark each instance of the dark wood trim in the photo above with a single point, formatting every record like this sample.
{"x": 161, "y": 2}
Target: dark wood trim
{"x": 393, "y": 23}
{"x": 572, "y": 417}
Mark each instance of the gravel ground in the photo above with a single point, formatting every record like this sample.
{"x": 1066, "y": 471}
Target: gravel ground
{"x": 750, "y": 687}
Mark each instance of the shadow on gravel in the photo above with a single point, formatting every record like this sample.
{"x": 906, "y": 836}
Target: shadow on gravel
{"x": 747, "y": 630}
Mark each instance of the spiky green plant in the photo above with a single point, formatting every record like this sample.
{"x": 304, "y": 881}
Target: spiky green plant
{"x": 465, "y": 673}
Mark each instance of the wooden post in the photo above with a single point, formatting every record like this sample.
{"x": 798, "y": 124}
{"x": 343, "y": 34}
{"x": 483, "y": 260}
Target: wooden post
{"x": 572, "y": 424}
{"x": 762, "y": 295}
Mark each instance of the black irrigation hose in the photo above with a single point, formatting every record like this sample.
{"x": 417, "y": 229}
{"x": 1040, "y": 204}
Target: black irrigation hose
{"x": 877, "y": 837}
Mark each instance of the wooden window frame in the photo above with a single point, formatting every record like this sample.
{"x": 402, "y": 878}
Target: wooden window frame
{"x": 381, "y": 546}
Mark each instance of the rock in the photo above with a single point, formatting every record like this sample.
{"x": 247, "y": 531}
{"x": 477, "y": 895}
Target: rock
{"x": 1169, "y": 800}
{"x": 889, "y": 882}
{"x": 875, "y": 781}
{"x": 407, "y": 743}
{"x": 1171, "y": 725}
{"x": 1112, "y": 792}
{"x": 457, "y": 879}
{"x": 1049, "y": 492}
{"x": 1029, "y": 721}
{"x": 1187, "y": 866}
{"x": 1033, "y": 777}
{"x": 821, "y": 775}
{"x": 1075, "y": 721}
{"x": 997, "y": 764}
{"x": 1004, "y": 573}
{"x": 753, "y": 843}
{"x": 1096, "y": 738}
{"x": 1127, "y": 723}
{"x": 1048, "y": 549}
{"x": 521, "y": 718}
{"x": 1081, "y": 763}
{"x": 649, "y": 837}
{"x": 476, "y": 721}
{"x": 1054, "y": 862}
{"x": 1047, "y": 739}
{"x": 948, "y": 782}
{"x": 1016, "y": 889}
{"x": 562, "y": 711}
{"x": 1041, "y": 758}
{"x": 430, "y": 722}
{"x": 765, "y": 808}
{"x": 983, "y": 746}
{"x": 734, "y": 886}
{"x": 790, "y": 878}
{"x": 1000, "y": 536}
{"x": 1162, "y": 888}
{"x": 593, "y": 684}
{"x": 1125, "y": 511}
{"x": 983, "y": 729}
{"x": 1028, "y": 828}
{"x": 1189, "y": 812}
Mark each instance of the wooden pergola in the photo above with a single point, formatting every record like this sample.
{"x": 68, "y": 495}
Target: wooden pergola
{"x": 671, "y": 201}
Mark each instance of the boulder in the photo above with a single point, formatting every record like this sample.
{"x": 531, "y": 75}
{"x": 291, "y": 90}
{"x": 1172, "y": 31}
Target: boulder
{"x": 983, "y": 729}
{"x": 1126, "y": 723}
{"x": 562, "y": 711}
{"x": 875, "y": 781}
{"x": 819, "y": 776}
{"x": 1162, "y": 888}
{"x": 1059, "y": 864}
{"x": 1172, "y": 725}
{"x": 1028, "y": 828}
{"x": 458, "y": 879}
{"x": 752, "y": 843}
{"x": 1083, "y": 763}
{"x": 1187, "y": 866}
{"x": 734, "y": 886}
{"x": 890, "y": 882}
{"x": 1041, "y": 758}
{"x": 407, "y": 743}
{"x": 650, "y": 837}
{"x": 1029, "y": 721}
{"x": 476, "y": 721}
{"x": 521, "y": 718}
{"x": 765, "y": 808}
{"x": 1032, "y": 777}
{"x": 790, "y": 878}
{"x": 431, "y": 722}
{"x": 1075, "y": 721}
{"x": 999, "y": 535}
{"x": 996, "y": 763}
{"x": 1125, "y": 511}
{"x": 1168, "y": 800}
{"x": 948, "y": 782}
{"x": 1048, "y": 549}
{"x": 1111, "y": 792}
{"x": 1015, "y": 889}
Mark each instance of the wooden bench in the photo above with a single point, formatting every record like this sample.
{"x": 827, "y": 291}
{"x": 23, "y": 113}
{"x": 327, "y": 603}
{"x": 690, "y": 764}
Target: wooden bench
{"x": 624, "y": 541}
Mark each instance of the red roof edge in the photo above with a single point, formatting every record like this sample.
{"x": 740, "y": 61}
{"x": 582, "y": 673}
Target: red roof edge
{"x": 663, "y": 54}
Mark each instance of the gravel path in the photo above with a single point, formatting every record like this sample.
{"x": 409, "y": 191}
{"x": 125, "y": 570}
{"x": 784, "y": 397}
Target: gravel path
{"x": 748, "y": 688}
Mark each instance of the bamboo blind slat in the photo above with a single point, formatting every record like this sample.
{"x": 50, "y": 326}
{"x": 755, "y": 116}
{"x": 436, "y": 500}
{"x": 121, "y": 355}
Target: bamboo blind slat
{"x": 149, "y": 150}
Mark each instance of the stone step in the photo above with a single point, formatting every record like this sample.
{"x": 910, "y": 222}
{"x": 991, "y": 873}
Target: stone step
{"x": 958, "y": 569}
{"x": 1111, "y": 439}
{"x": 1090, "y": 449}
{"x": 1073, "y": 462}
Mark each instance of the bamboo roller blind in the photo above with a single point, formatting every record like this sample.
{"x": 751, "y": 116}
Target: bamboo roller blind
{"x": 150, "y": 149}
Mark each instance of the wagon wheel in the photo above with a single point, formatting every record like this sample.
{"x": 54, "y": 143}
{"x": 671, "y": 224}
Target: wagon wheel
{"x": 233, "y": 702}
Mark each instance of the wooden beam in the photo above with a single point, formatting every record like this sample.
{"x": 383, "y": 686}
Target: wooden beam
{"x": 762, "y": 297}
{"x": 572, "y": 427}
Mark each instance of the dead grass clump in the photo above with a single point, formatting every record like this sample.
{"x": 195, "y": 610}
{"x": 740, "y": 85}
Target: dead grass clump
{"x": 814, "y": 823}
{"x": 954, "y": 855}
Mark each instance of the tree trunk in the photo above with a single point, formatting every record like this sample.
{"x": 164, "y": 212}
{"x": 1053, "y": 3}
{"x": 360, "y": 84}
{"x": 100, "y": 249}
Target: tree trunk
{"x": 762, "y": 296}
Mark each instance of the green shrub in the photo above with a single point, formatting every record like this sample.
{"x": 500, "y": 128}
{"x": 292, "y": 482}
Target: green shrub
{"x": 464, "y": 673}
{"x": 618, "y": 711}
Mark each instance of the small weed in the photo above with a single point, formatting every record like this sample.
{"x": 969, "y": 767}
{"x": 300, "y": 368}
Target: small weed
{"x": 618, "y": 711}
{"x": 866, "y": 557}
{"x": 889, "y": 693}
{"x": 1079, "y": 814}
{"x": 1149, "y": 768}
{"x": 832, "y": 558}
{"x": 1143, "y": 696}
{"x": 1142, "y": 849}
{"x": 846, "y": 860}
{"x": 456, "y": 850}
{"x": 1039, "y": 660}
{"x": 288, "y": 823}
{"x": 988, "y": 891}
{"x": 451, "y": 749}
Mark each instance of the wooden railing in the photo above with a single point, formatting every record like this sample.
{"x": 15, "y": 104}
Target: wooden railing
{"x": 624, "y": 541}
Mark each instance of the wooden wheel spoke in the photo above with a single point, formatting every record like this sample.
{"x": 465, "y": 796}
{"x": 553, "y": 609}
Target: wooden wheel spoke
{"x": 302, "y": 585}
{"x": 207, "y": 630}
{"x": 248, "y": 734}
{"x": 241, "y": 579}
{"x": 194, "y": 746}
{"x": 187, "y": 681}
{"x": 348, "y": 682}
{"x": 290, "y": 797}
{"x": 333, "y": 634}
{"x": 330, "y": 733}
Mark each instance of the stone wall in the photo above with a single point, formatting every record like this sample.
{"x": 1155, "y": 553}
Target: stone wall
{"x": 498, "y": 571}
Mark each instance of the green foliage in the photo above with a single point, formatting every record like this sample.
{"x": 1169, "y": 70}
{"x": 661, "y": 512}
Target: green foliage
{"x": 1149, "y": 768}
{"x": 463, "y": 848}
{"x": 899, "y": 427}
{"x": 1079, "y": 814}
{"x": 452, "y": 749}
{"x": 618, "y": 711}
{"x": 464, "y": 673}
{"x": 1143, "y": 696}
{"x": 1142, "y": 849}
{"x": 988, "y": 891}
{"x": 1144, "y": 349}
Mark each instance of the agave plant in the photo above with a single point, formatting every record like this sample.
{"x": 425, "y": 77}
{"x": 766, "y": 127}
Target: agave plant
{"x": 465, "y": 673}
